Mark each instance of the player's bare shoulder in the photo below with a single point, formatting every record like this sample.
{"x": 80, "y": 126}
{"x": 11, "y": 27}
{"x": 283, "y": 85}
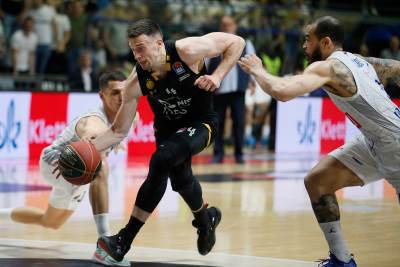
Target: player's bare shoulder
{"x": 90, "y": 124}
{"x": 342, "y": 81}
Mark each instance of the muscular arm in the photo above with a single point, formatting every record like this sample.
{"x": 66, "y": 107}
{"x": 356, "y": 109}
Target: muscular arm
{"x": 193, "y": 50}
{"x": 284, "y": 89}
{"x": 386, "y": 69}
{"x": 126, "y": 113}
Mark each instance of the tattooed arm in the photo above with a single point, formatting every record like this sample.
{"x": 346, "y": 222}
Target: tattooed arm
{"x": 284, "y": 89}
{"x": 387, "y": 69}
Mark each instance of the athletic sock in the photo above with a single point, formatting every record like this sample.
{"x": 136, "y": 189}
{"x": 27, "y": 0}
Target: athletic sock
{"x": 131, "y": 229}
{"x": 337, "y": 245}
{"x": 201, "y": 216}
{"x": 102, "y": 224}
{"x": 5, "y": 214}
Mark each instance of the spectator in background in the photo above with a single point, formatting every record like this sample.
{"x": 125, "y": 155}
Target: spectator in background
{"x": 364, "y": 50}
{"x": 84, "y": 78}
{"x": 44, "y": 17}
{"x": 24, "y": 44}
{"x": 12, "y": 13}
{"x": 58, "y": 62}
{"x": 3, "y": 48}
{"x": 393, "y": 52}
{"x": 119, "y": 15}
{"x": 79, "y": 23}
{"x": 231, "y": 94}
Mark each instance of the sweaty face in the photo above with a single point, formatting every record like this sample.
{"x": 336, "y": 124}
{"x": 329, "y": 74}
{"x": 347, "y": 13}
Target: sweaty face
{"x": 312, "y": 46}
{"x": 112, "y": 98}
{"x": 147, "y": 51}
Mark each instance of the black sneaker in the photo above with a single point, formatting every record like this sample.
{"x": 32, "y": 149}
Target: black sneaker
{"x": 206, "y": 239}
{"x": 113, "y": 246}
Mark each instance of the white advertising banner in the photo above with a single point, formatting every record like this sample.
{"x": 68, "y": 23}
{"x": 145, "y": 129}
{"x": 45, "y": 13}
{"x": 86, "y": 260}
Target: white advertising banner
{"x": 80, "y": 103}
{"x": 298, "y": 126}
{"x": 14, "y": 118}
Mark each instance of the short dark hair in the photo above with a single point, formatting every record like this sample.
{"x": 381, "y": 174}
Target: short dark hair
{"x": 143, "y": 26}
{"x": 329, "y": 27}
{"x": 109, "y": 77}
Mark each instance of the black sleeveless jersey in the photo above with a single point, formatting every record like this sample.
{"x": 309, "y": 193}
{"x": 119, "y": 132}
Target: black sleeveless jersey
{"x": 174, "y": 99}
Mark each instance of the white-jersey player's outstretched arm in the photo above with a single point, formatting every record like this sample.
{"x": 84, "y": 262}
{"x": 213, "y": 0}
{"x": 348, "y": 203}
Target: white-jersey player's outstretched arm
{"x": 284, "y": 89}
{"x": 123, "y": 121}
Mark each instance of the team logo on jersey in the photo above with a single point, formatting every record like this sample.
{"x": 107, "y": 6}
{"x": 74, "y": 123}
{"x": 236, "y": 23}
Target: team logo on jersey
{"x": 178, "y": 68}
{"x": 150, "y": 84}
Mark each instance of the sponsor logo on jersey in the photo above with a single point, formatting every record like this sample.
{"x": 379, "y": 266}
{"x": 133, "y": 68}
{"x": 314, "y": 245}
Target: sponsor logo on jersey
{"x": 149, "y": 84}
{"x": 358, "y": 62}
{"x": 178, "y": 68}
{"x": 187, "y": 75}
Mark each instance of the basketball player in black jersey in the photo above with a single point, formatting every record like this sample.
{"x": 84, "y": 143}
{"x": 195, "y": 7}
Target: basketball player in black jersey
{"x": 173, "y": 76}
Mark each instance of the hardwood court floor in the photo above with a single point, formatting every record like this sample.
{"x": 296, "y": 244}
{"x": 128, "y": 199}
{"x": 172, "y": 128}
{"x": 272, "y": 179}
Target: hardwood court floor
{"x": 267, "y": 217}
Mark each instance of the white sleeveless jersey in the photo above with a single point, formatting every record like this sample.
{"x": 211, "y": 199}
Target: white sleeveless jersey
{"x": 68, "y": 135}
{"x": 370, "y": 109}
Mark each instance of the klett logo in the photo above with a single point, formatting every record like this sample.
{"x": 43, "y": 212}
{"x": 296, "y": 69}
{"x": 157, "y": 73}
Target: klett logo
{"x": 42, "y": 133}
{"x": 10, "y": 129}
{"x": 333, "y": 130}
{"x": 306, "y": 128}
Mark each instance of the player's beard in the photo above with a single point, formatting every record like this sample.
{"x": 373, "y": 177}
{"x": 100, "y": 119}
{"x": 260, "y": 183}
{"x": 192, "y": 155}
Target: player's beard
{"x": 316, "y": 55}
{"x": 157, "y": 62}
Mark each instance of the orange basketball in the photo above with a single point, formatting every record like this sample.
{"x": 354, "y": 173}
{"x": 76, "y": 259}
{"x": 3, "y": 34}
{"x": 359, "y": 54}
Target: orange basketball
{"x": 79, "y": 162}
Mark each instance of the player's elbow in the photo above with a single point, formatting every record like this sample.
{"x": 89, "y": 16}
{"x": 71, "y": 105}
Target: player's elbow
{"x": 280, "y": 95}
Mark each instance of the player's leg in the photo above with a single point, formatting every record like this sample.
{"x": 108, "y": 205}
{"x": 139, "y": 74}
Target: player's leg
{"x": 206, "y": 219}
{"x": 50, "y": 218}
{"x": 196, "y": 137}
{"x": 98, "y": 196}
{"x": 168, "y": 153}
{"x": 60, "y": 206}
{"x": 350, "y": 165}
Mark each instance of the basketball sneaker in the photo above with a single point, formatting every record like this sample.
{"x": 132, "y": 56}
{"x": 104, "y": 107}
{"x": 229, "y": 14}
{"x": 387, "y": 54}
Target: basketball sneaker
{"x": 206, "y": 239}
{"x": 102, "y": 257}
{"x": 334, "y": 262}
{"x": 113, "y": 246}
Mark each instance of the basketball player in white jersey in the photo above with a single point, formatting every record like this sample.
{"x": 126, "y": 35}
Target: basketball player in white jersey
{"x": 65, "y": 197}
{"x": 355, "y": 84}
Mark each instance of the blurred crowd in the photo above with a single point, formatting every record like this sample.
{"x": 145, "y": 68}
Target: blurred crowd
{"x": 78, "y": 39}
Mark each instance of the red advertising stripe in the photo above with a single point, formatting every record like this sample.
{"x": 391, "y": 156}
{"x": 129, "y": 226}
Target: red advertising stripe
{"x": 333, "y": 127}
{"x": 141, "y": 139}
{"x": 48, "y": 117}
